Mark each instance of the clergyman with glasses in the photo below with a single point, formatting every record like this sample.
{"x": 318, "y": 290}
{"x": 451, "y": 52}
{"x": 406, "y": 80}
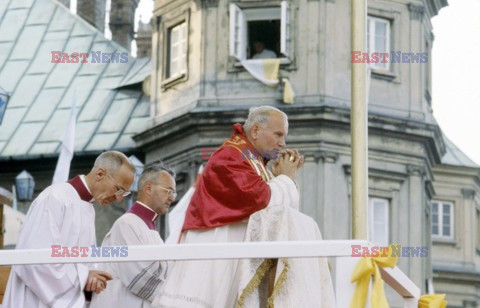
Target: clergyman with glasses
{"x": 135, "y": 284}
{"x": 63, "y": 216}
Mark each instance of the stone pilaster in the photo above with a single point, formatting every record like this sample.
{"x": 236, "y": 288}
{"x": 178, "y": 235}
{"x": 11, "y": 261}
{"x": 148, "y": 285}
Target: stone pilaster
{"x": 416, "y": 223}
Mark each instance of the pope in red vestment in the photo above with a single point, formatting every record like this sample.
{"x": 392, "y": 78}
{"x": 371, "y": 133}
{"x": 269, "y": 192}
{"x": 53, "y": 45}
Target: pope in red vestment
{"x": 232, "y": 186}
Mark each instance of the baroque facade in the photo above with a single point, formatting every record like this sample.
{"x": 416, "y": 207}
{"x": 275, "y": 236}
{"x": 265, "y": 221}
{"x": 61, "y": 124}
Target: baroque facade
{"x": 199, "y": 88}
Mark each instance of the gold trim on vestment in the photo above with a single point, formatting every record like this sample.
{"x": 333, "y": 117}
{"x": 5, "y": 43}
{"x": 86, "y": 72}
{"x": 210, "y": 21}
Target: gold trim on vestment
{"x": 236, "y": 140}
{"x": 255, "y": 281}
{"x": 254, "y": 162}
{"x": 280, "y": 282}
{"x": 267, "y": 264}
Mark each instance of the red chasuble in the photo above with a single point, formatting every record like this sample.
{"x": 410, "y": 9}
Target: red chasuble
{"x": 231, "y": 188}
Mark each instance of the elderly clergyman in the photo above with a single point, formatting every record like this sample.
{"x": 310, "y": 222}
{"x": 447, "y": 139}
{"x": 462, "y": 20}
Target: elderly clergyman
{"x": 135, "y": 284}
{"x": 63, "y": 214}
{"x": 237, "y": 198}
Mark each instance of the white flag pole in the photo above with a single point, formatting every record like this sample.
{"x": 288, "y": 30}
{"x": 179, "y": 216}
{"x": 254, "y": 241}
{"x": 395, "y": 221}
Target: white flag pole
{"x": 359, "y": 123}
{"x": 68, "y": 147}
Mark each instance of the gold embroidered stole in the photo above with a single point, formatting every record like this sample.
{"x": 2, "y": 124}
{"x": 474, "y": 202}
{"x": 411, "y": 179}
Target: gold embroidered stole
{"x": 255, "y": 162}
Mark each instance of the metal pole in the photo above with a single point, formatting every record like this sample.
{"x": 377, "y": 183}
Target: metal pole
{"x": 359, "y": 124}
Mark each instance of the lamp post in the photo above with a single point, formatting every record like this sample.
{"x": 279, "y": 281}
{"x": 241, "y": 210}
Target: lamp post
{"x": 25, "y": 185}
{"x": 3, "y": 103}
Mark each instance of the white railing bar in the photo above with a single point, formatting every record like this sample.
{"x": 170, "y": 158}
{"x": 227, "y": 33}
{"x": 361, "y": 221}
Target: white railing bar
{"x": 203, "y": 251}
{"x": 400, "y": 282}
{"x": 395, "y": 278}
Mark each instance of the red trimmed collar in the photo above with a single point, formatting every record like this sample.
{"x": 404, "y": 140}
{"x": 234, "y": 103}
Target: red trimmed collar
{"x": 240, "y": 132}
{"x": 147, "y": 215}
{"x": 82, "y": 191}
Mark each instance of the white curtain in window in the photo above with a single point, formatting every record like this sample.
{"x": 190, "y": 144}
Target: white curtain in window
{"x": 378, "y": 221}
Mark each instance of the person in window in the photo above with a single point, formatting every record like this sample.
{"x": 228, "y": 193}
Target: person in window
{"x": 261, "y": 52}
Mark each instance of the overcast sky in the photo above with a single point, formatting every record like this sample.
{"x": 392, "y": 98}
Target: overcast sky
{"x": 455, "y": 68}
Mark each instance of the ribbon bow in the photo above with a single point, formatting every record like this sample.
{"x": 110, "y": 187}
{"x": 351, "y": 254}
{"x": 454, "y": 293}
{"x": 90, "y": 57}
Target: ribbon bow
{"x": 364, "y": 270}
{"x": 432, "y": 301}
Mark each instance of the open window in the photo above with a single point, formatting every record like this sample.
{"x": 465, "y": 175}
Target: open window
{"x": 173, "y": 48}
{"x": 177, "y": 50}
{"x": 260, "y": 33}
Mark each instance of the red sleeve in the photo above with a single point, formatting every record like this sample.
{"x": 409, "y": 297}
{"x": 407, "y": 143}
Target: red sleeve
{"x": 228, "y": 191}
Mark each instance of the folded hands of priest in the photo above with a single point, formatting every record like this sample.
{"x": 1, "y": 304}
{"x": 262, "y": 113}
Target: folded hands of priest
{"x": 97, "y": 281}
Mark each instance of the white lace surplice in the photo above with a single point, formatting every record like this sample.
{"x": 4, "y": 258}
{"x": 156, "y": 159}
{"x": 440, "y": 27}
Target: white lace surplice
{"x": 220, "y": 283}
{"x": 299, "y": 282}
{"x": 205, "y": 283}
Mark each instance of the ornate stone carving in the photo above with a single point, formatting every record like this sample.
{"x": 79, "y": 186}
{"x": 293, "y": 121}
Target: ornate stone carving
{"x": 468, "y": 193}
{"x": 327, "y": 157}
{"x": 416, "y": 11}
{"x": 416, "y": 170}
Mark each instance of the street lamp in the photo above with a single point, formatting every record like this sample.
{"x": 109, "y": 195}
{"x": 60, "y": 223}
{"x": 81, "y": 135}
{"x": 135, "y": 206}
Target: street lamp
{"x": 25, "y": 185}
{"x": 3, "y": 103}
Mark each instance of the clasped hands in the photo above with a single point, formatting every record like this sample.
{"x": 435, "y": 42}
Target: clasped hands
{"x": 287, "y": 163}
{"x": 97, "y": 281}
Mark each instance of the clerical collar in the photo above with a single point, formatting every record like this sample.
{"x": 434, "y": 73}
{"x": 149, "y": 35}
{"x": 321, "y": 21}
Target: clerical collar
{"x": 84, "y": 181}
{"x": 82, "y": 189}
{"x": 145, "y": 213}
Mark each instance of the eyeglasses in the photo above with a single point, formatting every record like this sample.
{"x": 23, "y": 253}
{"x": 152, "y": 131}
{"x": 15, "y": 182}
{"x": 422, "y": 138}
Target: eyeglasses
{"x": 171, "y": 192}
{"x": 120, "y": 191}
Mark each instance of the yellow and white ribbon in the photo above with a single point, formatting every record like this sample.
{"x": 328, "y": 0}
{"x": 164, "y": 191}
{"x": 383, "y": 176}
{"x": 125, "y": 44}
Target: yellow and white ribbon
{"x": 362, "y": 274}
{"x": 432, "y": 301}
{"x": 266, "y": 71}
{"x": 288, "y": 94}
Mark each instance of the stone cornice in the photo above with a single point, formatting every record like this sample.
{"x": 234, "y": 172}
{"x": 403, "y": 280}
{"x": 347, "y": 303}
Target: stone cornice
{"x": 162, "y": 6}
{"x": 454, "y": 170}
{"x": 299, "y": 116}
{"x": 434, "y": 6}
{"x": 379, "y": 174}
{"x": 458, "y": 275}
